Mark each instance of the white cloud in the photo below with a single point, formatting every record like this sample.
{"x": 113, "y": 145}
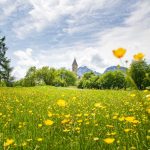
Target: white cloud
{"x": 46, "y": 13}
{"x": 7, "y": 8}
{"x": 24, "y": 60}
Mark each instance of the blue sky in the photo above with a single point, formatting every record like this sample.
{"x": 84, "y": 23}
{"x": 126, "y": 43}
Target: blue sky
{"x": 52, "y": 33}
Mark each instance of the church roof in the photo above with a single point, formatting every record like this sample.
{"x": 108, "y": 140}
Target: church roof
{"x": 74, "y": 62}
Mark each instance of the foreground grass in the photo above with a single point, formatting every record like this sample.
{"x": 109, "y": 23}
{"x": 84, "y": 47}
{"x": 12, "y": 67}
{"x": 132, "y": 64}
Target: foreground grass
{"x": 49, "y": 118}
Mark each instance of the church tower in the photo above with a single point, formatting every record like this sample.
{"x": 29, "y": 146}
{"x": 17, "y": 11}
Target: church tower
{"x": 74, "y": 66}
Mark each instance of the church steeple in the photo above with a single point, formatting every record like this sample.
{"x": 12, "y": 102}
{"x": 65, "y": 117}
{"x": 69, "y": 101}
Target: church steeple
{"x": 75, "y": 66}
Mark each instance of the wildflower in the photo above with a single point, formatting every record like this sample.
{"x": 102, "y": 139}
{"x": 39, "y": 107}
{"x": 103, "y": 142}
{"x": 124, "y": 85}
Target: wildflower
{"x": 39, "y": 139}
{"x": 138, "y": 56}
{"x": 145, "y": 91}
{"x": 78, "y": 115}
{"x": 114, "y": 117}
{"x": 121, "y": 119}
{"x": 148, "y": 110}
{"x": 132, "y": 95}
{"x": 127, "y": 130}
{"x": 109, "y": 140}
{"x": 1, "y": 114}
{"x": 86, "y": 115}
{"x": 8, "y": 142}
{"x": 48, "y": 122}
{"x": 39, "y": 125}
{"x": 66, "y": 130}
{"x": 50, "y": 114}
{"x": 61, "y": 103}
{"x": 30, "y": 111}
{"x": 119, "y": 53}
{"x": 130, "y": 119}
{"x": 95, "y": 138}
{"x": 97, "y": 104}
{"x": 148, "y": 137}
{"x": 65, "y": 121}
{"x": 77, "y": 128}
{"x": 79, "y": 121}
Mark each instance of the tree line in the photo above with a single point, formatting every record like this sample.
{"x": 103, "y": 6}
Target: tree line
{"x": 137, "y": 75}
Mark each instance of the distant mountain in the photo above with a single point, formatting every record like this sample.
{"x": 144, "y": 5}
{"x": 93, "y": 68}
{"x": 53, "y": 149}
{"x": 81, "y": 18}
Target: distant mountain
{"x": 85, "y": 69}
{"x": 113, "y": 68}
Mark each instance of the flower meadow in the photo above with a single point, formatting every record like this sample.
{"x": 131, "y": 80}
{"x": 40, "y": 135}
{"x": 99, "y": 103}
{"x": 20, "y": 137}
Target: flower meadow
{"x": 50, "y": 118}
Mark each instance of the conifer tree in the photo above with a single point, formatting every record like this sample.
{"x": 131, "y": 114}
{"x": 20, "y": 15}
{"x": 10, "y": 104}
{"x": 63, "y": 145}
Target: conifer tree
{"x": 5, "y": 69}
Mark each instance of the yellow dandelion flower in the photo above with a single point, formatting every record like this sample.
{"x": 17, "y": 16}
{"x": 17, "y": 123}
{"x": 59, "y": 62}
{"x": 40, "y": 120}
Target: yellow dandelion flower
{"x": 77, "y": 128}
{"x": 130, "y": 118}
{"x": 87, "y": 123}
{"x": 65, "y": 121}
{"x": 109, "y": 140}
{"x": 132, "y": 95}
{"x": 39, "y": 125}
{"x": 113, "y": 133}
{"x": 127, "y": 130}
{"x": 148, "y": 137}
{"x": 148, "y": 110}
{"x": 114, "y": 117}
{"x": 8, "y": 142}
{"x": 145, "y": 91}
{"x": 79, "y": 121}
{"x": 39, "y": 139}
{"x": 119, "y": 53}
{"x": 50, "y": 114}
{"x": 66, "y": 130}
{"x": 61, "y": 103}
{"x": 48, "y": 122}
{"x": 78, "y": 115}
{"x": 68, "y": 116}
{"x": 121, "y": 119}
{"x": 138, "y": 56}
{"x": 95, "y": 138}
{"x": 30, "y": 111}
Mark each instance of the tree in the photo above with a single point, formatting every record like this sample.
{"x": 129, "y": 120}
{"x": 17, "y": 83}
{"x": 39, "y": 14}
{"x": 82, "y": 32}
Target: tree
{"x": 46, "y": 74}
{"x": 88, "y": 80}
{"x": 140, "y": 73}
{"x": 65, "y": 77}
{"x": 112, "y": 80}
{"x": 5, "y": 69}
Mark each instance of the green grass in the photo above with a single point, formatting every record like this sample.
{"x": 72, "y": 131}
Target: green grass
{"x": 90, "y": 115}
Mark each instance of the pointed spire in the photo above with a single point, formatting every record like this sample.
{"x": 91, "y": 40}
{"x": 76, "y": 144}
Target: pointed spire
{"x": 75, "y": 62}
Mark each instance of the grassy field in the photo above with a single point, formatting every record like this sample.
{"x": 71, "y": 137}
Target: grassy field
{"x": 49, "y": 118}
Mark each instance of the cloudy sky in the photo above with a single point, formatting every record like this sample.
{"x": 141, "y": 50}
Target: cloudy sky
{"x": 53, "y": 32}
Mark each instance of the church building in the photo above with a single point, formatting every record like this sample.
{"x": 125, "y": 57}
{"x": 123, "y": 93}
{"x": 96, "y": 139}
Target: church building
{"x": 74, "y": 66}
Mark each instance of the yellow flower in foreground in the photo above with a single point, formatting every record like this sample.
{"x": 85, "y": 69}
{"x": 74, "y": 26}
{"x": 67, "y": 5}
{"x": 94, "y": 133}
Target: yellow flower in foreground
{"x": 148, "y": 110}
{"x": 50, "y": 114}
{"x": 48, "y": 122}
{"x": 119, "y": 53}
{"x": 109, "y": 140}
{"x": 130, "y": 119}
{"x": 61, "y": 103}
{"x": 95, "y": 138}
{"x": 8, "y": 142}
{"x": 39, "y": 125}
{"x": 132, "y": 95}
{"x": 39, "y": 139}
{"x": 138, "y": 56}
{"x": 127, "y": 130}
